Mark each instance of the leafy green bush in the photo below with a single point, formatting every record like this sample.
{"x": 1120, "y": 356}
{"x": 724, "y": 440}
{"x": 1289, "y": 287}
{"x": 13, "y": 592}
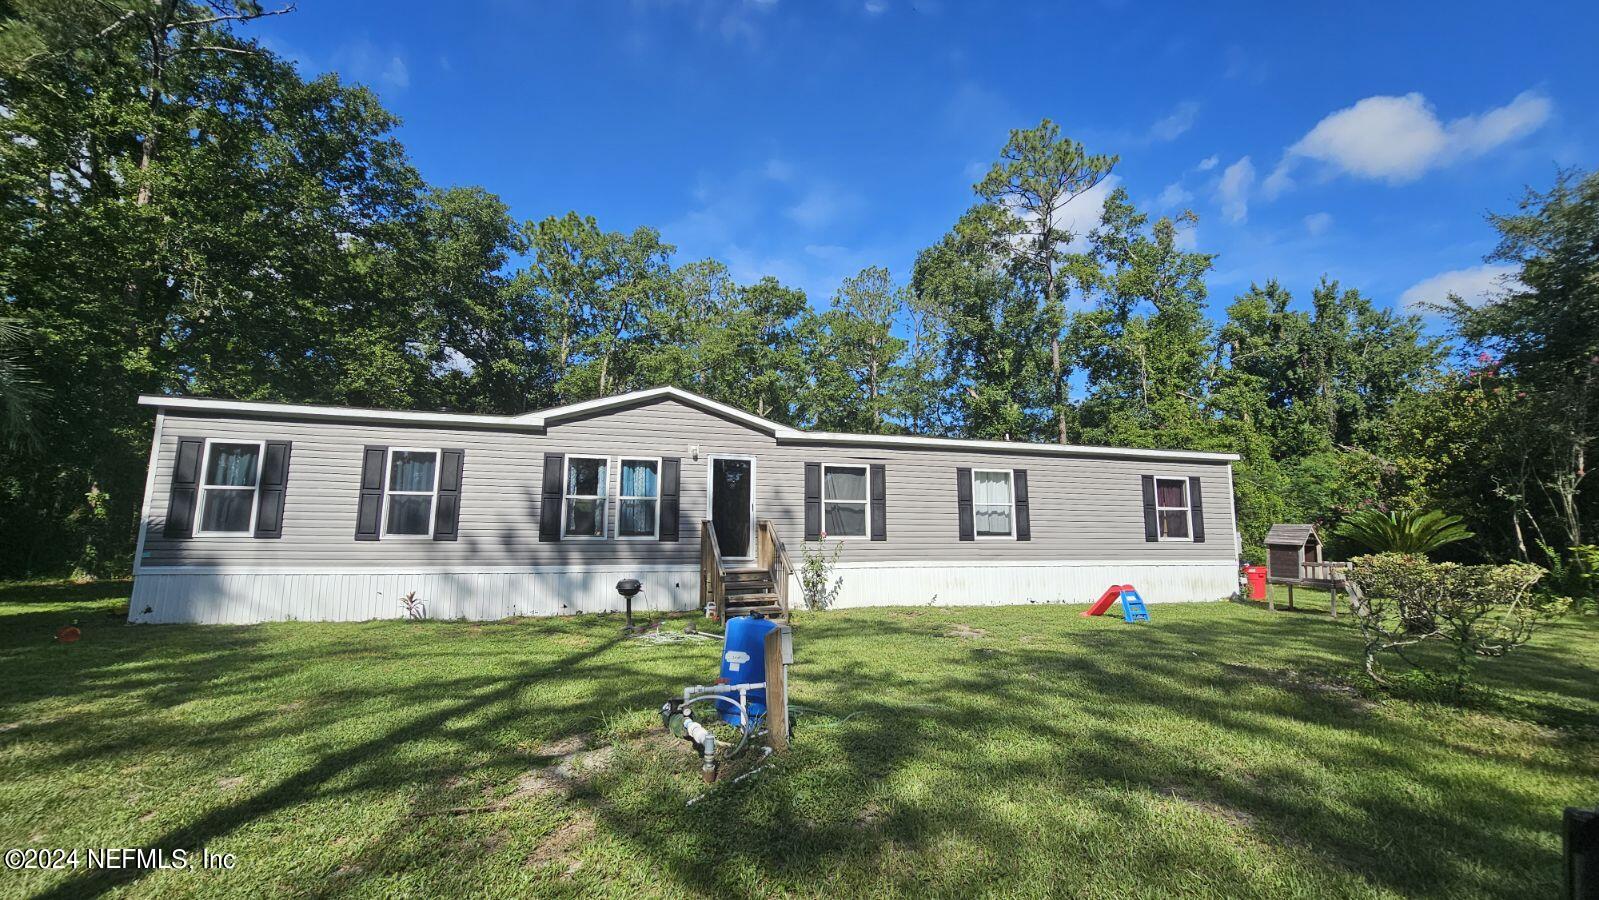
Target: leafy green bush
{"x": 1411, "y": 531}
{"x": 1573, "y": 579}
{"x": 1403, "y": 602}
{"x": 817, "y": 584}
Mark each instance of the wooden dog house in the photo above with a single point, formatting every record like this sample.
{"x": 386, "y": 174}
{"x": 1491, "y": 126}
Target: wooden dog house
{"x": 1294, "y": 556}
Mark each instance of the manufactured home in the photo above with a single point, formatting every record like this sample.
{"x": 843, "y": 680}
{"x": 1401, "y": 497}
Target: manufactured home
{"x": 264, "y": 511}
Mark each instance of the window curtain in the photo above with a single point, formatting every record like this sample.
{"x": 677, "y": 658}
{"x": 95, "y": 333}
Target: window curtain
{"x": 991, "y": 502}
{"x": 412, "y": 472}
{"x": 845, "y": 484}
{"x": 636, "y": 517}
{"x": 1170, "y": 493}
{"x": 991, "y": 488}
{"x": 233, "y": 465}
{"x": 639, "y": 479}
{"x": 586, "y": 478}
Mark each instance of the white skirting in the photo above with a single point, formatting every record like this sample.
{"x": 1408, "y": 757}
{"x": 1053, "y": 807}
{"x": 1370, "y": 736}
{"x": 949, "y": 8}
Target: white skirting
{"x": 236, "y": 596}
{"x": 918, "y": 584}
{"x": 241, "y": 597}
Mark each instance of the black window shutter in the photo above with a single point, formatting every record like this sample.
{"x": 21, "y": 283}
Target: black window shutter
{"x": 550, "y": 498}
{"x": 369, "y": 511}
{"x": 963, "y": 502}
{"x": 1024, "y": 518}
{"x": 185, "y": 488}
{"x": 1196, "y": 504}
{"x": 1151, "y": 527}
{"x": 813, "y": 501}
{"x": 274, "y": 487}
{"x": 671, "y": 468}
{"x": 447, "y": 515}
{"x": 879, "y": 505}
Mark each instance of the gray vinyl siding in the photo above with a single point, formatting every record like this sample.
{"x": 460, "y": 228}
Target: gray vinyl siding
{"x": 1082, "y": 508}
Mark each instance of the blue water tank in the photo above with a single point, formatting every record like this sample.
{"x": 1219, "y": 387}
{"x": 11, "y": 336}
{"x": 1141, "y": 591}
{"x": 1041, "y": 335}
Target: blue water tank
{"x": 744, "y": 662}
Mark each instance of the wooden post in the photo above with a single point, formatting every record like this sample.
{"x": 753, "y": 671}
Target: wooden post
{"x": 776, "y": 691}
{"x": 1290, "y": 595}
{"x": 1334, "y": 591}
{"x": 1271, "y": 602}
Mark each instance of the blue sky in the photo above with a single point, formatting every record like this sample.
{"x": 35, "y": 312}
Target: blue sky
{"x": 809, "y": 139}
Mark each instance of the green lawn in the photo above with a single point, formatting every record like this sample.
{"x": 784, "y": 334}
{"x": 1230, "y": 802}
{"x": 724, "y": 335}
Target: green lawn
{"x": 1006, "y": 751}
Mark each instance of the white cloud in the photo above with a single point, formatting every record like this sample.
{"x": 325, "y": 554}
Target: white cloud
{"x": 1187, "y": 238}
{"x": 1079, "y": 215}
{"x": 1318, "y": 223}
{"x": 1476, "y": 285}
{"x": 736, "y": 21}
{"x": 1232, "y": 191}
{"x": 778, "y": 169}
{"x": 395, "y": 74}
{"x": 1208, "y": 163}
{"x": 1174, "y": 195}
{"x": 363, "y": 61}
{"x": 1398, "y": 139}
{"x": 822, "y": 204}
{"x": 876, "y": 7}
{"x": 1174, "y": 125}
{"x": 1082, "y": 215}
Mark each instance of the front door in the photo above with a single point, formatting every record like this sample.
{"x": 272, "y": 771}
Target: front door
{"x": 732, "y": 502}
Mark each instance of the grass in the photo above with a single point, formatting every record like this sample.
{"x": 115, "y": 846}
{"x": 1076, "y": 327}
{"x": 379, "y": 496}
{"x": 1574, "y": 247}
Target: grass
{"x": 1002, "y": 751}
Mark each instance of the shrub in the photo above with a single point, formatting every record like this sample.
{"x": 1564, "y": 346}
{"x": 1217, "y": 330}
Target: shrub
{"x": 1402, "y": 532}
{"x": 1574, "y": 580}
{"x": 817, "y": 583}
{"x": 1404, "y": 602}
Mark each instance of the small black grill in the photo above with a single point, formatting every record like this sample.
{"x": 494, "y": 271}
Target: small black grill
{"x": 629, "y": 588}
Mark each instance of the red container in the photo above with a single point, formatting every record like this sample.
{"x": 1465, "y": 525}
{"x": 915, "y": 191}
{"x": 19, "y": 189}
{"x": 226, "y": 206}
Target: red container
{"x": 1257, "y": 581}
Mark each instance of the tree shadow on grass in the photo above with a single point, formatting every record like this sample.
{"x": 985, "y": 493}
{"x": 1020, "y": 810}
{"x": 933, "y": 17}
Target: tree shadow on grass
{"x": 1428, "y": 838}
{"x": 64, "y": 592}
{"x": 1124, "y": 727}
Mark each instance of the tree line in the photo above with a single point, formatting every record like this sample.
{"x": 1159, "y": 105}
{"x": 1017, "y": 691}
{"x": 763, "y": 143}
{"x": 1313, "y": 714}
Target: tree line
{"x": 184, "y": 213}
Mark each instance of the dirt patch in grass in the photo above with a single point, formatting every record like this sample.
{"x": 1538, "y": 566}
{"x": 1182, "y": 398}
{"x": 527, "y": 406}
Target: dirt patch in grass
{"x": 231, "y": 782}
{"x": 1302, "y": 683}
{"x": 1233, "y": 816}
{"x": 966, "y": 631}
{"x": 561, "y": 846}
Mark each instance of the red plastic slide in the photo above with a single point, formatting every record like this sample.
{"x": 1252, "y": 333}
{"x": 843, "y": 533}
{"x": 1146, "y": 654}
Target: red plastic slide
{"x": 1111, "y": 595}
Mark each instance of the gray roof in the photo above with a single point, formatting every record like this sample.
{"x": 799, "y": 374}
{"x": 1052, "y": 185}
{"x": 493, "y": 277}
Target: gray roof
{"x": 1290, "y": 535}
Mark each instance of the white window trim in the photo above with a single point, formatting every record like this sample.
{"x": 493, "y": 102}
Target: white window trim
{"x": 867, "y": 503}
{"x": 1187, "y": 508}
{"x": 388, "y": 494}
{"x": 621, "y": 463}
{"x": 255, "y": 495}
{"x": 604, "y": 497}
{"x": 1011, "y": 536}
{"x": 710, "y": 497}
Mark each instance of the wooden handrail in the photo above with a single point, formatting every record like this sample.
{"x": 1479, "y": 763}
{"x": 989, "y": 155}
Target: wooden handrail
{"x": 771, "y": 556}
{"x": 713, "y": 594}
{"x": 774, "y": 558}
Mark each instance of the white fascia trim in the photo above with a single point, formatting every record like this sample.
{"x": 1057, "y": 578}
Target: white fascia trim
{"x": 899, "y": 440}
{"x": 687, "y": 569}
{"x": 1032, "y": 563}
{"x": 543, "y": 417}
{"x": 340, "y": 413}
{"x": 536, "y": 421}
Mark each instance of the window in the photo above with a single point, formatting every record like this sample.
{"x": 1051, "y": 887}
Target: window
{"x": 1171, "y": 509}
{"x": 844, "y": 501}
{"x": 413, "y": 488}
{"x": 228, "y": 490}
{"x": 993, "y": 503}
{"x": 638, "y": 506}
{"x": 584, "y": 515}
